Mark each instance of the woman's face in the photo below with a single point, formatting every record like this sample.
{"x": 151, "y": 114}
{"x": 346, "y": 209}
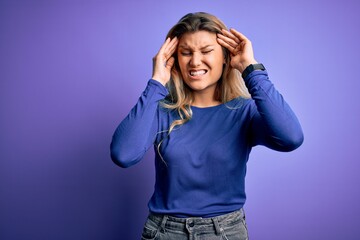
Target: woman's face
{"x": 201, "y": 61}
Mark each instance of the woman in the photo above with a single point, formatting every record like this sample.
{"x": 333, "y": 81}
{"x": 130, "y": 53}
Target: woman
{"x": 199, "y": 116}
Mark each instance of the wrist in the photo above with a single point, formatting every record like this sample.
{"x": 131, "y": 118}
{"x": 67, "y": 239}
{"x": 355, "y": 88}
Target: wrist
{"x": 250, "y": 68}
{"x": 245, "y": 64}
{"x": 159, "y": 80}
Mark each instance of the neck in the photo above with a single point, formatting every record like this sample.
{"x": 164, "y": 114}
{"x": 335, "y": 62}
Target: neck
{"x": 203, "y": 99}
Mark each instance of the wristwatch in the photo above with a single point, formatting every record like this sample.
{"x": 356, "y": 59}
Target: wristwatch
{"x": 251, "y": 68}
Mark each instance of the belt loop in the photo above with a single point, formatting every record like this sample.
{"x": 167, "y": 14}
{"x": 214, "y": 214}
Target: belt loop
{"x": 163, "y": 222}
{"x": 243, "y": 213}
{"x": 216, "y": 225}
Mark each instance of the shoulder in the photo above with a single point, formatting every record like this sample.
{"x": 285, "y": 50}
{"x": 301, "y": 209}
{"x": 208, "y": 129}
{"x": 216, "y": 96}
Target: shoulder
{"x": 239, "y": 103}
{"x": 165, "y": 108}
{"x": 241, "y": 108}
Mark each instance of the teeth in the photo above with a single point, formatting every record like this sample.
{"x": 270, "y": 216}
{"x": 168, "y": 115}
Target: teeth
{"x": 197, "y": 73}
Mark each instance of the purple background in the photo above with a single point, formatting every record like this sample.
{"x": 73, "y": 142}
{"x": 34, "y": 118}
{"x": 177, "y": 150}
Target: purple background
{"x": 71, "y": 70}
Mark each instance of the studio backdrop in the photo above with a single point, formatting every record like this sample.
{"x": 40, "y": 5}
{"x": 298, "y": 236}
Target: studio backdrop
{"x": 70, "y": 71}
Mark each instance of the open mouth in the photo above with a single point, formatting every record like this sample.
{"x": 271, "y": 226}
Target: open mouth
{"x": 196, "y": 73}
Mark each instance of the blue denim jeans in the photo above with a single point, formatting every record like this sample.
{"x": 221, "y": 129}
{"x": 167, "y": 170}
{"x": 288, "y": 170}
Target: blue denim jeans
{"x": 231, "y": 226}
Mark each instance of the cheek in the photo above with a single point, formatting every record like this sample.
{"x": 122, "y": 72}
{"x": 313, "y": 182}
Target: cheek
{"x": 217, "y": 63}
{"x": 182, "y": 64}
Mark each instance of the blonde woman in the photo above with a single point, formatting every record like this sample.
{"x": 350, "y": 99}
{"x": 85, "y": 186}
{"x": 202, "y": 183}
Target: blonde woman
{"x": 207, "y": 104}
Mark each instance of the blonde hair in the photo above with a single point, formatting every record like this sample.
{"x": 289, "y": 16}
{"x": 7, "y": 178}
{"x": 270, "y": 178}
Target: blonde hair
{"x": 229, "y": 86}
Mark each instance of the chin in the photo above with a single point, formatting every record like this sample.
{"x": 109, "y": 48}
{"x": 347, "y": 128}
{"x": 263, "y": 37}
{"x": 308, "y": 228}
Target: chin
{"x": 199, "y": 86}
{"x": 194, "y": 85}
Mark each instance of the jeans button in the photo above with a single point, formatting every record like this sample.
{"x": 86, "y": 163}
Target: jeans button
{"x": 191, "y": 224}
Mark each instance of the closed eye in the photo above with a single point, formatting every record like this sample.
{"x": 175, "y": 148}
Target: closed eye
{"x": 186, "y": 53}
{"x": 190, "y": 53}
{"x": 207, "y": 51}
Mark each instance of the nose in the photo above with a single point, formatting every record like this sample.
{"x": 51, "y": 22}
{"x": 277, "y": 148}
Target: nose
{"x": 195, "y": 60}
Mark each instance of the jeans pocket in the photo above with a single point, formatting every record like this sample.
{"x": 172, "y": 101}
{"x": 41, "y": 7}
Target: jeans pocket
{"x": 148, "y": 234}
{"x": 236, "y": 231}
{"x": 150, "y": 230}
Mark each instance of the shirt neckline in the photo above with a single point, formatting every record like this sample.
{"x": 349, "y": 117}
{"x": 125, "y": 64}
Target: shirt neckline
{"x": 213, "y": 107}
{"x": 210, "y": 107}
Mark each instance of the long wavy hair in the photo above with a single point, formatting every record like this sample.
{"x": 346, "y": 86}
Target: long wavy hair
{"x": 229, "y": 86}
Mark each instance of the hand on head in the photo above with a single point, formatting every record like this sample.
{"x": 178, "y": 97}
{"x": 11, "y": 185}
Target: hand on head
{"x": 240, "y": 48}
{"x": 163, "y": 61}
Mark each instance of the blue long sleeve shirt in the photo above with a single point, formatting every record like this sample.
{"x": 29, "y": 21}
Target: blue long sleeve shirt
{"x": 206, "y": 157}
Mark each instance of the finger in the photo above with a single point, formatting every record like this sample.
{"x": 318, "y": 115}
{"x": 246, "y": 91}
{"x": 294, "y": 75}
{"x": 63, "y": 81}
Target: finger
{"x": 170, "y": 63}
{"x": 239, "y": 35}
{"x": 230, "y": 35}
{"x": 172, "y": 46}
{"x": 164, "y": 46}
{"x": 173, "y": 42}
{"x": 170, "y": 49}
{"x": 227, "y": 45}
{"x": 230, "y": 41}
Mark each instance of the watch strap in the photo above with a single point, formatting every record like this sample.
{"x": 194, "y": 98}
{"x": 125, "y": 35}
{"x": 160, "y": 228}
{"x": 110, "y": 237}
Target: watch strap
{"x": 252, "y": 67}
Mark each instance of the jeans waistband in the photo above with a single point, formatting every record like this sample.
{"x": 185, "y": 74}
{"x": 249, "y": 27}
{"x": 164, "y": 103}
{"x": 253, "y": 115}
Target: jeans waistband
{"x": 164, "y": 221}
{"x": 158, "y": 217}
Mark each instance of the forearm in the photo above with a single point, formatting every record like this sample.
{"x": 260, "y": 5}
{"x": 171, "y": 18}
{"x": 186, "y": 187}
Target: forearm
{"x": 135, "y": 134}
{"x": 274, "y": 124}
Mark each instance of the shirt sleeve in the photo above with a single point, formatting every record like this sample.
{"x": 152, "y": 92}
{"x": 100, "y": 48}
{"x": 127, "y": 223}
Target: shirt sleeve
{"x": 136, "y": 133}
{"x": 273, "y": 123}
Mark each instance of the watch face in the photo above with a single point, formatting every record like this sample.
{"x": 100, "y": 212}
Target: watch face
{"x": 259, "y": 66}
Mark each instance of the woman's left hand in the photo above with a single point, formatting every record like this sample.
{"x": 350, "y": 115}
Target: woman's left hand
{"x": 240, "y": 48}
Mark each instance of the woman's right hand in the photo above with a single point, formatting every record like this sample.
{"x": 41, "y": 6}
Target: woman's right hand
{"x": 164, "y": 61}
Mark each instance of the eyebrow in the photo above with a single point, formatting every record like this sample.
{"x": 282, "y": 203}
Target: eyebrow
{"x": 187, "y": 47}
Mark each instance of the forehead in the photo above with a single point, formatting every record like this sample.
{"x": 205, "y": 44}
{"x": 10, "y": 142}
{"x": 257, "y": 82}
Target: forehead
{"x": 197, "y": 39}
